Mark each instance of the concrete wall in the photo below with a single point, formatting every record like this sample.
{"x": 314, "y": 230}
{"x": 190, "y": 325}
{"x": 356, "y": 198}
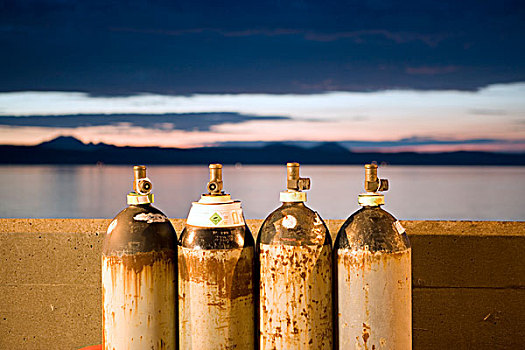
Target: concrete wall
{"x": 468, "y": 278}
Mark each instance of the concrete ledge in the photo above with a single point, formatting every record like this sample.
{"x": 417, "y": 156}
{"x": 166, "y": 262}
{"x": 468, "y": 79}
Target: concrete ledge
{"x": 468, "y": 278}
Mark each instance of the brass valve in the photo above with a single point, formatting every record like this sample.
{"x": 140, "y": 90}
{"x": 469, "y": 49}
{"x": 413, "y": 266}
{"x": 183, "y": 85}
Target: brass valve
{"x": 293, "y": 180}
{"x": 372, "y": 182}
{"x": 141, "y": 184}
{"x": 215, "y": 185}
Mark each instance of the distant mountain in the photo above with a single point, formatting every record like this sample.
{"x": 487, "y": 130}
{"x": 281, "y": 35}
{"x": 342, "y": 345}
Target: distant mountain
{"x": 513, "y": 146}
{"x": 63, "y": 143}
{"x": 69, "y": 150}
{"x": 329, "y": 147}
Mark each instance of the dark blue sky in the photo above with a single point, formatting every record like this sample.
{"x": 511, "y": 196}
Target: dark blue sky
{"x": 166, "y": 121}
{"x": 113, "y": 47}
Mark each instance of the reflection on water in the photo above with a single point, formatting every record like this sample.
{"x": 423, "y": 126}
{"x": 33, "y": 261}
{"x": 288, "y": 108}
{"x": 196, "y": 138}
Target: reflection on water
{"x": 416, "y": 193}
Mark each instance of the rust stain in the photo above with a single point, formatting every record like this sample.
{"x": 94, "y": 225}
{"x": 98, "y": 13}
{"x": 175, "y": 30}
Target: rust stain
{"x": 135, "y": 288}
{"x": 363, "y": 259}
{"x": 374, "y": 299}
{"x": 366, "y": 335}
{"x": 295, "y": 297}
{"x": 137, "y": 261}
{"x": 103, "y": 314}
{"x": 233, "y": 276}
{"x": 216, "y": 305}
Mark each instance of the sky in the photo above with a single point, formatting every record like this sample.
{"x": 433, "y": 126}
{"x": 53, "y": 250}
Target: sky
{"x": 382, "y": 75}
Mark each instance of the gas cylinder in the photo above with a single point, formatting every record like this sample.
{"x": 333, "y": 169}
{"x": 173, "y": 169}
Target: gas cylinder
{"x": 139, "y": 275}
{"x": 295, "y": 273}
{"x": 372, "y": 259}
{"x": 216, "y": 267}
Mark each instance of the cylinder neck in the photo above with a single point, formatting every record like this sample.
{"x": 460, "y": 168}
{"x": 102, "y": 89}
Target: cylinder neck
{"x": 371, "y": 199}
{"x": 293, "y": 204}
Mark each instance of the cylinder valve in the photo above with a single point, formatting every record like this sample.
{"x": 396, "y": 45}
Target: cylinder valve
{"x": 142, "y": 187}
{"x": 294, "y": 185}
{"x": 372, "y": 182}
{"x": 215, "y": 185}
{"x": 373, "y": 185}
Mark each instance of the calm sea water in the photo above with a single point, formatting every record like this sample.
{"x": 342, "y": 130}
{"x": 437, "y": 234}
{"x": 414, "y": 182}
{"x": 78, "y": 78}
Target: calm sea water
{"x": 417, "y": 193}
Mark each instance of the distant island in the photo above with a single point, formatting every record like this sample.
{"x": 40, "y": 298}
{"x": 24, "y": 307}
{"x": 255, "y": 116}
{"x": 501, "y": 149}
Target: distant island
{"x": 69, "y": 150}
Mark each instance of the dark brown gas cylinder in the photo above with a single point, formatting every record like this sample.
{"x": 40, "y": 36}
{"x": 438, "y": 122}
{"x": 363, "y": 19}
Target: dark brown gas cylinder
{"x": 139, "y": 264}
{"x": 216, "y": 268}
{"x": 295, "y": 273}
{"x": 372, "y": 259}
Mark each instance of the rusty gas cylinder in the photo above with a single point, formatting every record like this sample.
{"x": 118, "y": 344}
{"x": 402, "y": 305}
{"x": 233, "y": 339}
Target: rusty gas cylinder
{"x": 295, "y": 273}
{"x": 139, "y": 265}
{"x": 216, "y": 267}
{"x": 372, "y": 276}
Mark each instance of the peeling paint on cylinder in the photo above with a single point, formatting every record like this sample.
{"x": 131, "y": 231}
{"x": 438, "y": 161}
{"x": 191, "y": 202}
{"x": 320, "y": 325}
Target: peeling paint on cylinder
{"x": 216, "y": 304}
{"x": 295, "y": 297}
{"x": 138, "y": 308}
{"x": 374, "y": 299}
